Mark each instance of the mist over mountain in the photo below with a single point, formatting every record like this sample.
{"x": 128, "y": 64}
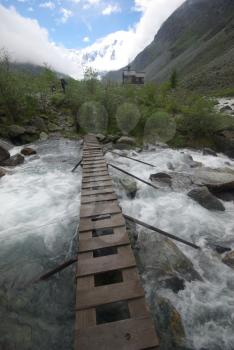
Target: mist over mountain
{"x": 197, "y": 40}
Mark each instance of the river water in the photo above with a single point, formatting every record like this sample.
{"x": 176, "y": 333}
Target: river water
{"x": 39, "y": 206}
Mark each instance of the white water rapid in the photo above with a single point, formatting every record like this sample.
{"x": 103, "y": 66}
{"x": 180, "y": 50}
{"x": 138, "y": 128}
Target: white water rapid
{"x": 39, "y": 204}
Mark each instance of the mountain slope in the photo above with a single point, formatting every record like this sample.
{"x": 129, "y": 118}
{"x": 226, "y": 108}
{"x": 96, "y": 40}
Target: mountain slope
{"x": 197, "y": 40}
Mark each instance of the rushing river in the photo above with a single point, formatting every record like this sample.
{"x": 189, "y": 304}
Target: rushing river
{"x": 39, "y": 208}
{"x": 39, "y": 205}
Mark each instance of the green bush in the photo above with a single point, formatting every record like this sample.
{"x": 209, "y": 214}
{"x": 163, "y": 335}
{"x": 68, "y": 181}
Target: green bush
{"x": 198, "y": 117}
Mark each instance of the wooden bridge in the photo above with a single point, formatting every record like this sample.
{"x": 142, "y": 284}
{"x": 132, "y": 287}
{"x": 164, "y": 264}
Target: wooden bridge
{"x": 111, "y": 312}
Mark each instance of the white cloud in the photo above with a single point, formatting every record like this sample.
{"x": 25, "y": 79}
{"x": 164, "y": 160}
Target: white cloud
{"x": 26, "y": 41}
{"x": 30, "y": 9}
{"x": 127, "y": 44}
{"x": 66, "y": 14}
{"x": 89, "y": 3}
{"x": 111, "y": 9}
{"x": 86, "y": 39}
{"x": 141, "y": 5}
{"x": 47, "y": 5}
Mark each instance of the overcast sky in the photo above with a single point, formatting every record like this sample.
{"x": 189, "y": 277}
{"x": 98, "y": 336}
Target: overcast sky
{"x": 61, "y": 32}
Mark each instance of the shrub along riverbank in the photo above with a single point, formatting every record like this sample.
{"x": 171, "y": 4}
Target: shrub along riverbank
{"x": 33, "y": 106}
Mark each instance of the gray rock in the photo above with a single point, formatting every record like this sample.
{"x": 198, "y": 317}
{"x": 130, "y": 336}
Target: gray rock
{"x": 43, "y": 136}
{"x": 209, "y": 152}
{"x": 38, "y": 123}
{"x": 168, "y": 324}
{"x": 53, "y": 127}
{"x": 28, "y": 151}
{"x": 16, "y": 131}
{"x": 111, "y": 138}
{"x": 206, "y": 199}
{"x": 130, "y": 187}
{"x": 174, "y": 283}
{"x": 6, "y": 144}
{"x": 161, "y": 178}
{"x": 17, "y": 159}
{"x": 217, "y": 180}
{"x": 188, "y": 159}
{"x": 101, "y": 137}
{"x": 127, "y": 140}
{"x": 4, "y": 154}
{"x": 229, "y": 259}
{"x": 31, "y": 130}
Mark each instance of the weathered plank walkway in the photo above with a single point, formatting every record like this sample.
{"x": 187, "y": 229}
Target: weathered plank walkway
{"x": 111, "y": 313}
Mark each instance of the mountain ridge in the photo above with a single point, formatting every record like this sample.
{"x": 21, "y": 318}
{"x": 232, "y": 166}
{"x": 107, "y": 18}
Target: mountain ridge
{"x": 197, "y": 40}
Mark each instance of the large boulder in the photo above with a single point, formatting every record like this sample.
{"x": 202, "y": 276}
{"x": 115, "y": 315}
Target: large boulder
{"x": 216, "y": 180}
{"x": 130, "y": 187}
{"x": 162, "y": 265}
{"x": 206, "y": 199}
{"x": 15, "y": 132}
{"x": 17, "y": 159}
{"x": 159, "y": 258}
{"x": 38, "y": 123}
{"x": 178, "y": 181}
{"x": 161, "y": 178}
{"x": 101, "y": 137}
{"x": 4, "y": 154}
{"x": 126, "y": 140}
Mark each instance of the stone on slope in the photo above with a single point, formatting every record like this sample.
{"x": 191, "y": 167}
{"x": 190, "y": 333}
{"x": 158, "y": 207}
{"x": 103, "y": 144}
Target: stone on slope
{"x": 17, "y": 159}
{"x": 206, "y": 199}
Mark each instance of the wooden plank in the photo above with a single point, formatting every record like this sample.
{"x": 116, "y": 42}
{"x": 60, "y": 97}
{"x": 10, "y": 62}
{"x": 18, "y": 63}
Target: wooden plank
{"x": 117, "y": 239}
{"x": 115, "y": 220}
{"x": 98, "y": 198}
{"x": 103, "y": 264}
{"x": 130, "y": 334}
{"x": 107, "y": 294}
{"x": 97, "y": 174}
{"x": 94, "y": 166}
{"x": 98, "y": 209}
{"x": 95, "y": 170}
{"x": 97, "y": 178}
{"x": 86, "y": 192}
{"x": 96, "y": 184}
